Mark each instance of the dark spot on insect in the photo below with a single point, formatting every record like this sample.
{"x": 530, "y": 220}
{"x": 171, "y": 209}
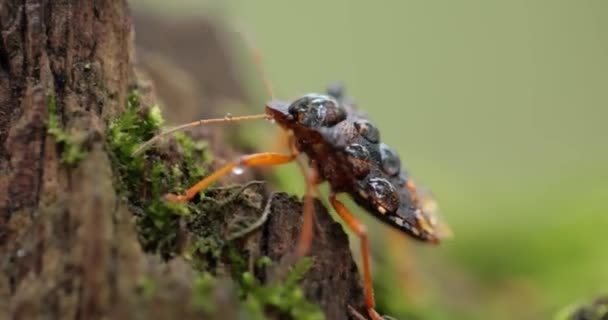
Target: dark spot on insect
{"x": 391, "y": 164}
{"x": 315, "y": 110}
{"x": 367, "y": 130}
{"x": 358, "y": 156}
{"x": 384, "y": 194}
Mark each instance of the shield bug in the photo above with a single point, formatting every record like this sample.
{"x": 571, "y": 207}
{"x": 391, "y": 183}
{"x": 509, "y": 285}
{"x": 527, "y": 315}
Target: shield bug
{"x": 343, "y": 148}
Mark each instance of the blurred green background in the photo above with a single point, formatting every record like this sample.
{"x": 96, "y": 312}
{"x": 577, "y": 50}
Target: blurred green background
{"x": 500, "y": 108}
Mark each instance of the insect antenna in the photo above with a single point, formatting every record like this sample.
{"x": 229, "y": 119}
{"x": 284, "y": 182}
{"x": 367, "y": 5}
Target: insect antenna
{"x": 185, "y": 126}
{"x": 256, "y": 56}
{"x": 257, "y": 60}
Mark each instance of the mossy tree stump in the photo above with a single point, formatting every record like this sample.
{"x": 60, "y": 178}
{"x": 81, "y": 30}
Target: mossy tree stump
{"x": 71, "y": 240}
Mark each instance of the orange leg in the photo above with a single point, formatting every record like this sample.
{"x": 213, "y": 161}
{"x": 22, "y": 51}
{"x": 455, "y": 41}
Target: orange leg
{"x": 310, "y": 178}
{"x": 361, "y": 231}
{"x": 252, "y": 160}
{"x": 305, "y": 239}
{"x": 266, "y": 159}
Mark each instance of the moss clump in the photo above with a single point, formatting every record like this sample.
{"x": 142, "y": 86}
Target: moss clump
{"x": 284, "y": 298}
{"x": 144, "y": 178}
{"x": 70, "y": 148}
{"x": 210, "y": 222}
{"x": 203, "y": 287}
{"x": 146, "y": 287}
{"x": 192, "y": 149}
{"x": 596, "y": 310}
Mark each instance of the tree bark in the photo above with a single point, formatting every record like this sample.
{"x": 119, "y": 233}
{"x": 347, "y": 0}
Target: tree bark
{"x": 69, "y": 246}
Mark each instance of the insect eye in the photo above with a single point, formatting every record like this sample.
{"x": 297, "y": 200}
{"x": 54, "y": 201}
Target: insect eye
{"x": 368, "y": 131}
{"x": 391, "y": 164}
{"x": 384, "y": 193}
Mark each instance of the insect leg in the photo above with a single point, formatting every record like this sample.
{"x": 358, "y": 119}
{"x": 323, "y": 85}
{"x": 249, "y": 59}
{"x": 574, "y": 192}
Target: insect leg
{"x": 310, "y": 179}
{"x": 305, "y": 239}
{"x": 360, "y": 229}
{"x": 252, "y": 160}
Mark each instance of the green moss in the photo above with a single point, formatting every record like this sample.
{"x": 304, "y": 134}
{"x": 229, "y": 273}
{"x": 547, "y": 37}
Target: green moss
{"x": 145, "y": 177}
{"x": 238, "y": 263}
{"x": 203, "y": 287}
{"x": 595, "y": 310}
{"x": 189, "y": 148}
{"x": 130, "y": 130}
{"x": 286, "y": 297}
{"x": 146, "y": 287}
{"x": 70, "y": 147}
{"x": 263, "y": 262}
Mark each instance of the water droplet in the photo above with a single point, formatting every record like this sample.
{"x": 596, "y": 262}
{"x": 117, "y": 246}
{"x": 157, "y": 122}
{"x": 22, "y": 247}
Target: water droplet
{"x": 391, "y": 164}
{"x": 238, "y": 170}
{"x": 321, "y": 112}
{"x": 358, "y": 157}
{"x": 228, "y": 116}
{"x": 384, "y": 194}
